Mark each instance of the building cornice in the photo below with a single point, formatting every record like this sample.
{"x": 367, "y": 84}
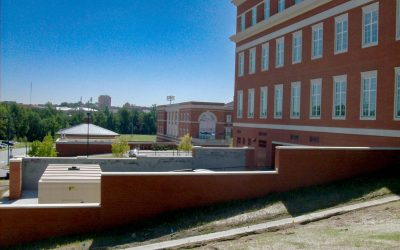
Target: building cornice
{"x": 238, "y": 2}
{"x": 289, "y": 13}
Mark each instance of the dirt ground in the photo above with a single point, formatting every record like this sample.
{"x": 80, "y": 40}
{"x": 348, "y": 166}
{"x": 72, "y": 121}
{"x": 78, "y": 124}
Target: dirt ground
{"x": 371, "y": 228}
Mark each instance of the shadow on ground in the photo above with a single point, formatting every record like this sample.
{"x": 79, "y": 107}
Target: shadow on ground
{"x": 297, "y": 202}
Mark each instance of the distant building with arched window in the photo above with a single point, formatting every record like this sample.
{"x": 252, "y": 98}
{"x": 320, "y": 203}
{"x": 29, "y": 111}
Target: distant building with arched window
{"x": 208, "y": 123}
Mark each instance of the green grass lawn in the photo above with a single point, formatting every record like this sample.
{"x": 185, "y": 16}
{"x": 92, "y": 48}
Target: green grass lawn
{"x": 203, "y": 220}
{"x": 18, "y": 145}
{"x": 151, "y": 138}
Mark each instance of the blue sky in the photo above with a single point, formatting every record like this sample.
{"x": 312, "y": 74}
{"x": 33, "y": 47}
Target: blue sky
{"x": 133, "y": 50}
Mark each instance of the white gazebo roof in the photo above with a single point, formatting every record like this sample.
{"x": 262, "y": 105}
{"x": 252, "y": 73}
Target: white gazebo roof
{"x": 82, "y": 129}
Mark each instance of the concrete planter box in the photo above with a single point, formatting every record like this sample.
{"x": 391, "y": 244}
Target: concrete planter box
{"x": 62, "y": 184}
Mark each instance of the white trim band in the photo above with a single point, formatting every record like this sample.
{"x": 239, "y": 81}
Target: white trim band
{"x": 304, "y": 23}
{"x": 334, "y": 130}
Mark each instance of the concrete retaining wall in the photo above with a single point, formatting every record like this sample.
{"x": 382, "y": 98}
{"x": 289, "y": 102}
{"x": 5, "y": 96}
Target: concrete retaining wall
{"x": 224, "y": 158}
{"x": 33, "y": 168}
{"x": 217, "y": 159}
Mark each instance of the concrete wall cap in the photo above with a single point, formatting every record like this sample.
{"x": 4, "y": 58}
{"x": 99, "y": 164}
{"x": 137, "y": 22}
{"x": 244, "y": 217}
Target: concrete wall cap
{"x": 36, "y": 206}
{"x": 334, "y": 148}
{"x": 228, "y": 173}
{"x": 15, "y": 160}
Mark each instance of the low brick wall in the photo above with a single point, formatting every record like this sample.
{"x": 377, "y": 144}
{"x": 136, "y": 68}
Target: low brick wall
{"x": 130, "y": 197}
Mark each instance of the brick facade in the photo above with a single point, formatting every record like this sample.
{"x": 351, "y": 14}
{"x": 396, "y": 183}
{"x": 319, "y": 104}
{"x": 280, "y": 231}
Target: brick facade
{"x": 176, "y": 120}
{"x": 352, "y": 64}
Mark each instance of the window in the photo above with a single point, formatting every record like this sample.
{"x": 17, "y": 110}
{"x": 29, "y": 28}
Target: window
{"x": 398, "y": 21}
{"x": 370, "y": 25}
{"x": 241, "y": 64}
{"x": 250, "y": 104}
{"x": 339, "y": 96}
{"x": 267, "y": 9}
{"x": 228, "y": 118}
{"x": 263, "y": 102}
{"x": 278, "y": 101}
{"x": 252, "y": 61}
{"x": 281, "y": 5}
{"x": 242, "y": 22}
{"x": 341, "y": 33}
{"x": 368, "y": 95}
{"x": 297, "y": 47}
{"x": 253, "y": 16}
{"x": 240, "y": 104}
{"x": 295, "y": 101}
{"x": 280, "y": 52}
{"x": 317, "y": 41}
{"x": 265, "y": 57}
{"x": 397, "y": 94}
{"x": 315, "y": 107}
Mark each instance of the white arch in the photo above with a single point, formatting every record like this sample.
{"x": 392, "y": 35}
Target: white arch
{"x": 207, "y": 125}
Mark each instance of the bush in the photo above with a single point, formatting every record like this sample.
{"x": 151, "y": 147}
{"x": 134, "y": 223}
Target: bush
{"x": 119, "y": 147}
{"x": 44, "y": 148}
{"x": 186, "y": 143}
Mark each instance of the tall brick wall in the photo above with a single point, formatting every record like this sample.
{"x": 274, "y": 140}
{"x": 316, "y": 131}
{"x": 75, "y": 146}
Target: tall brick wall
{"x": 133, "y": 197}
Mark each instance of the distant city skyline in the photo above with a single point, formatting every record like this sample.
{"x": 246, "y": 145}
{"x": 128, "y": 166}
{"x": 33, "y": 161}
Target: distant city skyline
{"x": 134, "y": 51}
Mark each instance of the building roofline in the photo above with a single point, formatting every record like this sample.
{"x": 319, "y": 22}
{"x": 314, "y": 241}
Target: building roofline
{"x": 287, "y": 14}
{"x": 238, "y": 2}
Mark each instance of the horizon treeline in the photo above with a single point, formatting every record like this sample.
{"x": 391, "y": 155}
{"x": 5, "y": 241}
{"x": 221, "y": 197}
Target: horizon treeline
{"x": 25, "y": 123}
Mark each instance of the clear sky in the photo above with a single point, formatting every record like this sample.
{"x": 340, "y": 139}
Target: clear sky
{"x": 136, "y": 51}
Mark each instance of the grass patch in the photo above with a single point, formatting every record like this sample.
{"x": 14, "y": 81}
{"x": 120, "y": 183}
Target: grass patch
{"x": 151, "y": 138}
{"x": 191, "y": 222}
{"x": 388, "y": 236}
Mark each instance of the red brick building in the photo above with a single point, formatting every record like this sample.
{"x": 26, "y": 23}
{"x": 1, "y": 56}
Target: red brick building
{"x": 320, "y": 73}
{"x": 208, "y": 123}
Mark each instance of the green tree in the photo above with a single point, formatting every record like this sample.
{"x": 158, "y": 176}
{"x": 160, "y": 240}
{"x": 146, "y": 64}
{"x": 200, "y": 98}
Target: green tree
{"x": 44, "y": 148}
{"x": 185, "y": 143}
{"x": 124, "y": 120}
{"x": 119, "y": 147}
{"x": 34, "y": 151}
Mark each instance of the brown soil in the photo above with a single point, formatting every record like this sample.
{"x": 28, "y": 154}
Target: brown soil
{"x": 370, "y": 228}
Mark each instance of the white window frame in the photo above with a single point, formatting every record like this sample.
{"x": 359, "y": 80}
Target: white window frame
{"x": 281, "y": 6}
{"x": 367, "y": 9}
{"x": 267, "y": 9}
{"x": 316, "y": 82}
{"x": 242, "y": 22}
{"x": 396, "y": 92}
{"x": 278, "y": 102}
{"x": 263, "y": 92}
{"x": 295, "y": 100}
{"x": 252, "y": 60}
{"x": 265, "y": 57}
{"x": 250, "y": 103}
{"x": 228, "y": 118}
{"x": 254, "y": 16}
{"x": 318, "y": 41}
{"x": 398, "y": 21}
{"x": 368, "y": 75}
{"x": 239, "y": 104}
{"x": 338, "y": 80}
{"x": 241, "y": 64}
{"x": 280, "y": 52}
{"x": 297, "y": 49}
{"x": 344, "y": 34}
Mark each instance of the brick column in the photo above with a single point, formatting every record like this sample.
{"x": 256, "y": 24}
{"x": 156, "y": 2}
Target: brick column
{"x": 15, "y": 178}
